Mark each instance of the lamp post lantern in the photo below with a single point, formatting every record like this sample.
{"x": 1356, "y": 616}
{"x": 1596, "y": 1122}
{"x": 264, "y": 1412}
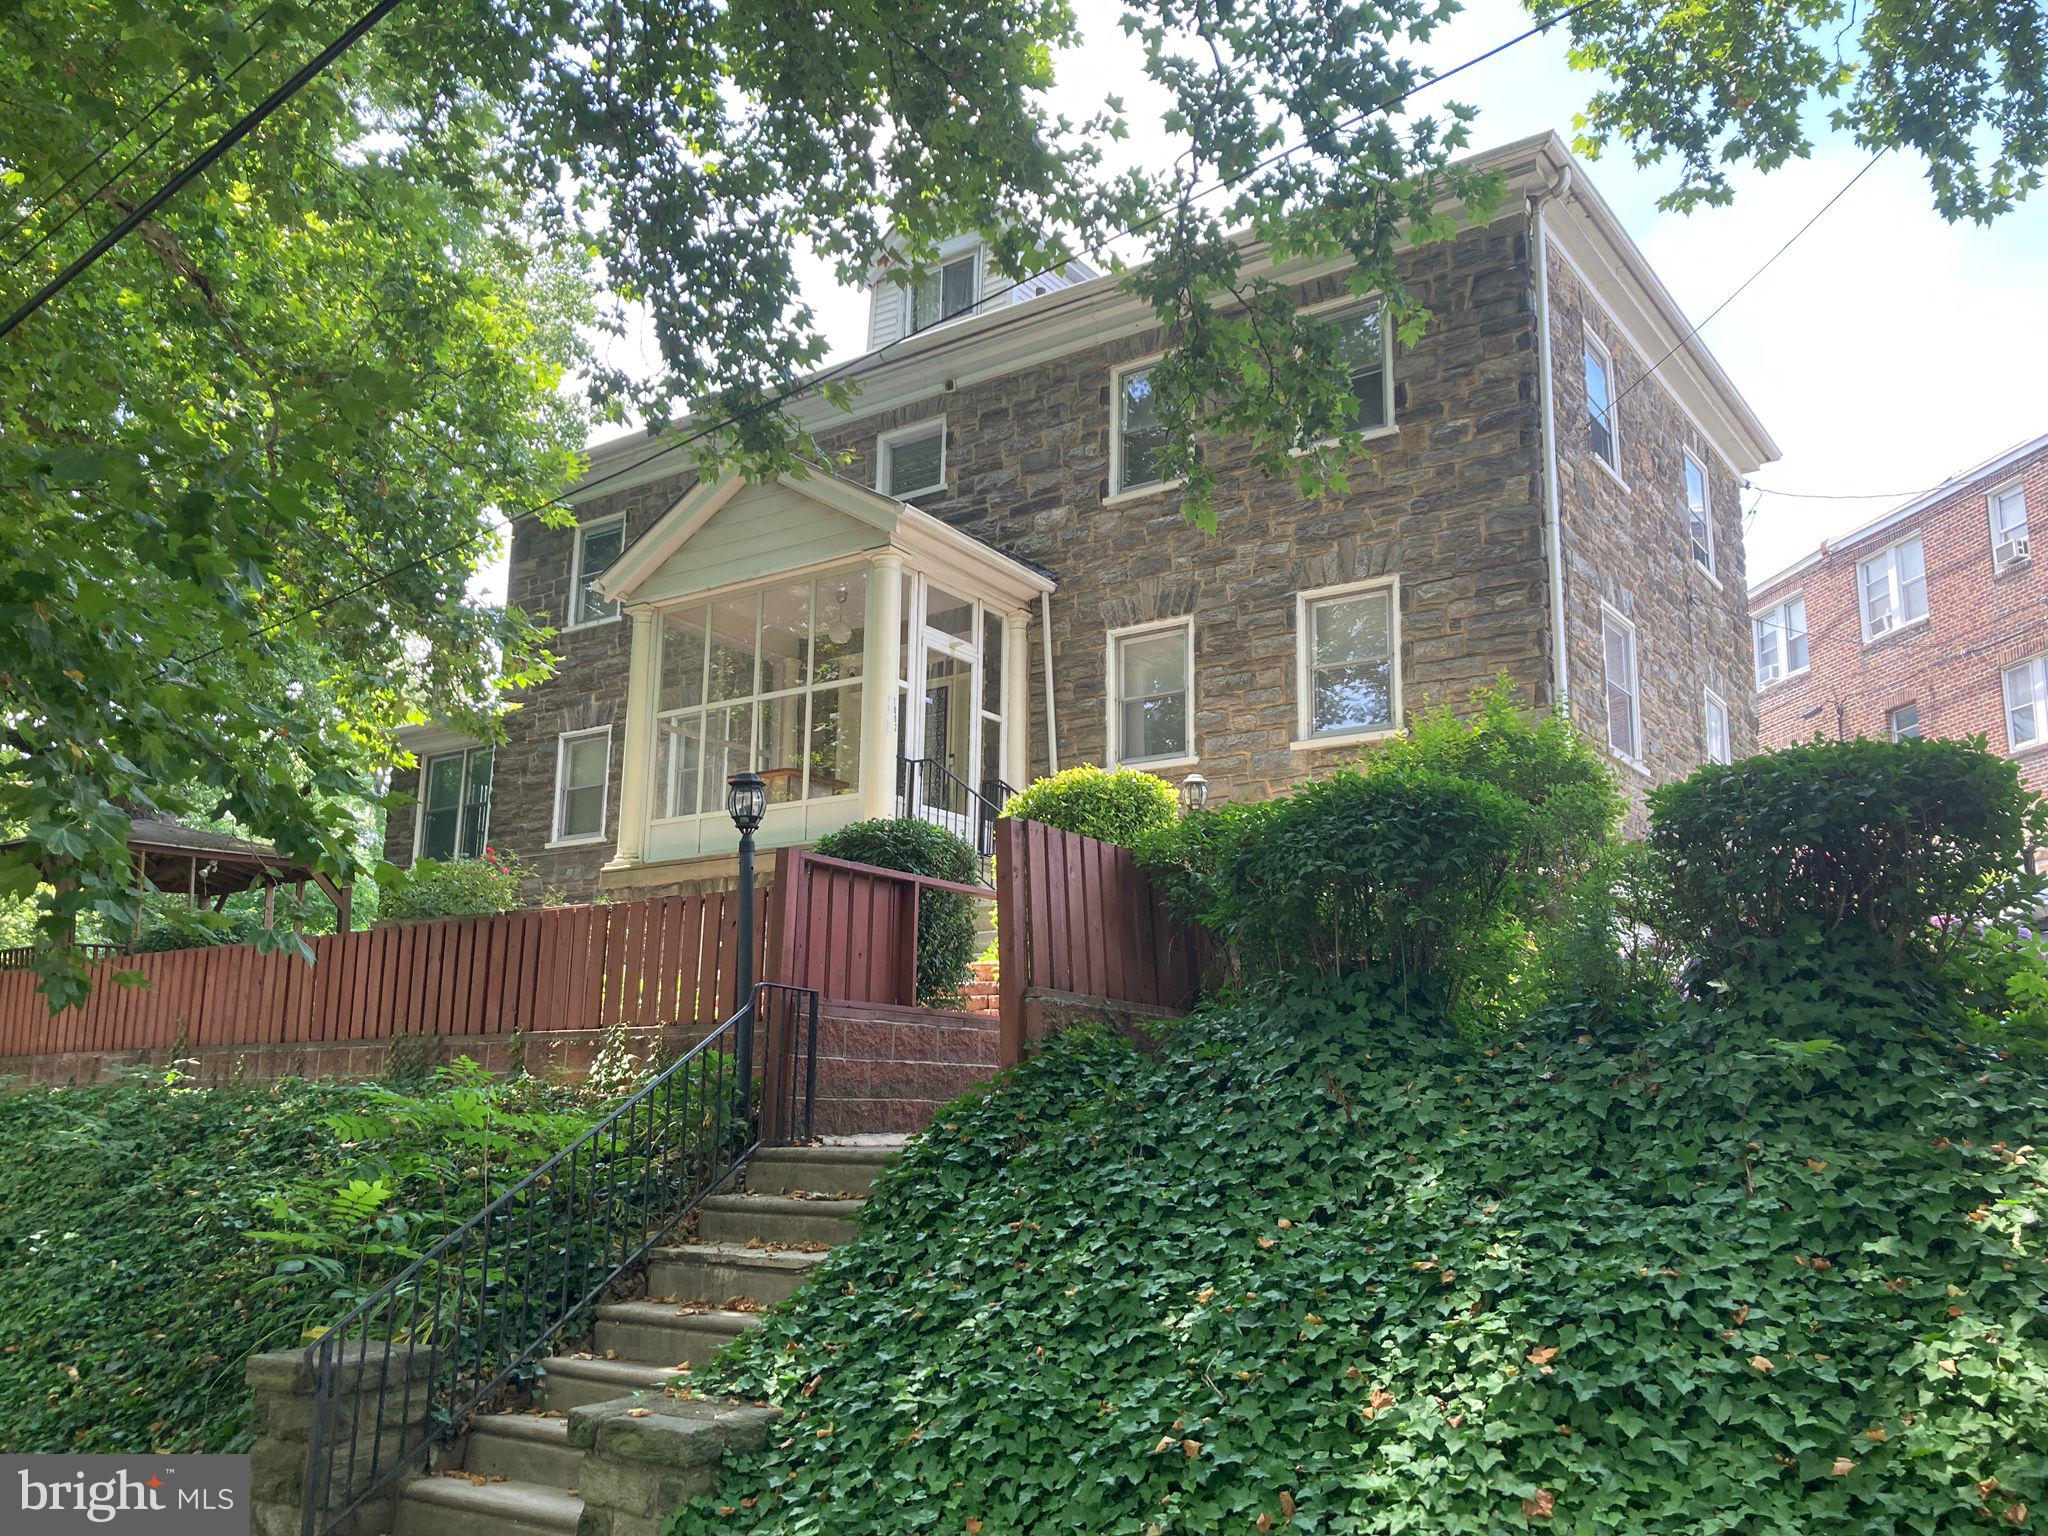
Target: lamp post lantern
{"x": 1194, "y": 792}
{"x": 746, "y": 800}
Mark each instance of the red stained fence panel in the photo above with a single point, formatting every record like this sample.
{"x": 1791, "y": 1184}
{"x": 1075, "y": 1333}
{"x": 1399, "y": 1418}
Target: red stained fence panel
{"x": 1078, "y": 922}
{"x": 665, "y": 960}
{"x": 848, "y": 931}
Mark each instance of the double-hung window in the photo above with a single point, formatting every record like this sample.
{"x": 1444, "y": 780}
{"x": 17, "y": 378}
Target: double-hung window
{"x": 1718, "y": 749}
{"x": 1601, "y": 435}
{"x": 598, "y": 545}
{"x": 455, "y": 805}
{"x": 2026, "y": 704}
{"x": 1348, "y": 660}
{"x": 1363, "y": 344}
{"x": 1781, "y": 641}
{"x": 1903, "y": 722}
{"x": 2009, "y": 543}
{"x": 768, "y": 680}
{"x": 583, "y": 762}
{"x": 1699, "y": 514}
{"x": 1624, "y": 702}
{"x": 1138, "y": 437}
{"x": 949, "y": 291}
{"x": 1894, "y": 588}
{"x": 1151, "y": 705}
{"x": 912, "y": 461}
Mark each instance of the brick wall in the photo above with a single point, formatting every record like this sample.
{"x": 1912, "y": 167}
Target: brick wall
{"x": 1453, "y": 502}
{"x": 1979, "y": 622}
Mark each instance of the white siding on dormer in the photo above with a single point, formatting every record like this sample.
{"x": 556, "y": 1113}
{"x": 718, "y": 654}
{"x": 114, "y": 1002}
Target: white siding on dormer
{"x": 888, "y": 304}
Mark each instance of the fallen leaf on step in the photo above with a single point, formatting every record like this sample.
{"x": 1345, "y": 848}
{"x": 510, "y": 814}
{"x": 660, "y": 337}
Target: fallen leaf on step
{"x": 638, "y": 1413}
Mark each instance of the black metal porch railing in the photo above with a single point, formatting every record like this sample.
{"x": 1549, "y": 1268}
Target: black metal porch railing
{"x": 926, "y": 787}
{"x": 404, "y": 1370}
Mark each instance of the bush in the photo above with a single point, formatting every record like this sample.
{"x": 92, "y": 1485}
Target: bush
{"x": 172, "y": 922}
{"x": 452, "y": 888}
{"x": 945, "y": 921}
{"x": 1117, "y": 805}
{"x": 1910, "y": 843}
{"x": 1435, "y": 860}
{"x": 1764, "y": 1267}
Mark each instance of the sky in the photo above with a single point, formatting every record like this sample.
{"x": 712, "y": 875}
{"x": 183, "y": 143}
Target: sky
{"x": 1885, "y": 350}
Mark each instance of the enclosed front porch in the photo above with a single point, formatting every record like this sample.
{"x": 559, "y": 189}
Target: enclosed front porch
{"x": 863, "y": 657}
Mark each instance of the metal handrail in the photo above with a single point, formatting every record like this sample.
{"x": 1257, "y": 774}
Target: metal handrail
{"x": 452, "y": 1330}
{"x": 981, "y": 808}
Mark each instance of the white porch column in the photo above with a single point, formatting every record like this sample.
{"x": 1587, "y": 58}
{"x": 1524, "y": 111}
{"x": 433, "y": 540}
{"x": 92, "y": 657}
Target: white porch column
{"x": 881, "y": 666}
{"x": 1016, "y": 686}
{"x": 643, "y": 687}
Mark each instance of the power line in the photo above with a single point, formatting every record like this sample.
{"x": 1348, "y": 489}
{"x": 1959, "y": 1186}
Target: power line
{"x": 249, "y": 122}
{"x": 876, "y": 354}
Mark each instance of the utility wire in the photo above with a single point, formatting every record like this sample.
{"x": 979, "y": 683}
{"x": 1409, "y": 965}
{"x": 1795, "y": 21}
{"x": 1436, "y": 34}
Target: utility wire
{"x": 876, "y": 354}
{"x": 249, "y": 122}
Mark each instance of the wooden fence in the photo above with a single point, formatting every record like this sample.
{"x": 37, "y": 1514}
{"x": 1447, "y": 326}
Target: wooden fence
{"x": 664, "y": 960}
{"x": 1079, "y": 925}
{"x": 848, "y": 930}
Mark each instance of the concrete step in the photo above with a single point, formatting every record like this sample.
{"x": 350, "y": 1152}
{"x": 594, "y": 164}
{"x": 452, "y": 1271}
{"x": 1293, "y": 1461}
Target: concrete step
{"x": 816, "y": 1170}
{"x": 716, "y": 1272}
{"x": 659, "y": 1333}
{"x": 570, "y": 1382}
{"x": 777, "y": 1221}
{"x": 523, "y": 1447}
{"x": 454, "y": 1506}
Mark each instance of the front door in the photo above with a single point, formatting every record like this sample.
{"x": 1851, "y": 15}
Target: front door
{"x": 949, "y": 720}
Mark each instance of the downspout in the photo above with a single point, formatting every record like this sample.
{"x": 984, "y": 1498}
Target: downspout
{"x": 1052, "y": 729}
{"x": 1553, "y": 521}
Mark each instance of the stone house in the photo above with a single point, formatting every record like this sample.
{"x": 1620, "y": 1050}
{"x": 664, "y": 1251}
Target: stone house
{"x": 1931, "y": 620}
{"x": 991, "y": 582}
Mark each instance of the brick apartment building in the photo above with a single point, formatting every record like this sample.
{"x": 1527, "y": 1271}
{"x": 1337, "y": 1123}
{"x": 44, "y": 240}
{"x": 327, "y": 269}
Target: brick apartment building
{"x": 993, "y": 580}
{"x": 1930, "y": 621}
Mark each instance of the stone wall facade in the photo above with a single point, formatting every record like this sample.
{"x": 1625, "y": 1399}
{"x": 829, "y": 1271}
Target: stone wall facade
{"x": 1951, "y": 665}
{"x": 1451, "y": 501}
{"x": 1627, "y": 547}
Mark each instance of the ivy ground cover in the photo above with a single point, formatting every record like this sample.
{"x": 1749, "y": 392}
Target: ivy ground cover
{"x": 1771, "y": 1264}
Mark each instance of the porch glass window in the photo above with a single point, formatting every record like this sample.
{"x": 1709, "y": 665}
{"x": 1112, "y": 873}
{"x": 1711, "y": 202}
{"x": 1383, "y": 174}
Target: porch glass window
{"x": 1150, "y": 672}
{"x": 455, "y": 804}
{"x": 768, "y": 680}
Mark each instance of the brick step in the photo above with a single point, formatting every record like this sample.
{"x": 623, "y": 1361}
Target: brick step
{"x": 778, "y": 1221}
{"x": 571, "y": 1382}
{"x": 523, "y": 1447}
{"x": 720, "y": 1272}
{"x": 455, "y": 1506}
{"x": 659, "y": 1333}
{"x": 829, "y": 1170}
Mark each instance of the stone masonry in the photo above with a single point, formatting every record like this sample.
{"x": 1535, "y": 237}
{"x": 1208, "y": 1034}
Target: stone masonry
{"x": 1453, "y": 502}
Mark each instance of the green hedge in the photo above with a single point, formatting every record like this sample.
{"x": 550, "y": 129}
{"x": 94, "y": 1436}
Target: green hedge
{"x": 449, "y": 888}
{"x": 945, "y": 922}
{"x": 1771, "y": 1264}
{"x": 1120, "y": 805}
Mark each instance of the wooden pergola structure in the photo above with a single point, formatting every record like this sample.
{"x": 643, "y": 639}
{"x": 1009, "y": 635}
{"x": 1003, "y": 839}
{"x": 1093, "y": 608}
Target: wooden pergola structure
{"x": 209, "y": 867}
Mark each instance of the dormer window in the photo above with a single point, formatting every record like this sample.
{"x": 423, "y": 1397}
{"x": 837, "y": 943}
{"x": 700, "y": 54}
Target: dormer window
{"x": 950, "y": 291}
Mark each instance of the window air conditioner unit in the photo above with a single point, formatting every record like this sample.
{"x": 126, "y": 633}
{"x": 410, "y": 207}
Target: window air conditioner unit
{"x": 2011, "y": 550}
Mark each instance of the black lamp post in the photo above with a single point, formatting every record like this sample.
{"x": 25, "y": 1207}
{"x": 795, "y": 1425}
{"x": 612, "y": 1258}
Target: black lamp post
{"x": 746, "y": 799}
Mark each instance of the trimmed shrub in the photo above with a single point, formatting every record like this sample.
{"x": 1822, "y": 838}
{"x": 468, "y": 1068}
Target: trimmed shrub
{"x": 1433, "y": 860}
{"x": 1119, "y": 805}
{"x": 945, "y": 921}
{"x": 450, "y": 888}
{"x": 1909, "y": 843}
{"x": 172, "y": 922}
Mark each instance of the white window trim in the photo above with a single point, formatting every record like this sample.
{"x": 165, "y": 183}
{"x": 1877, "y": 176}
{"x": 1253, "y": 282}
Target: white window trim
{"x": 2005, "y": 714}
{"x": 1710, "y": 700}
{"x": 555, "y": 839}
{"x": 1117, "y": 496}
{"x": 1891, "y": 715}
{"x": 949, "y": 251}
{"x": 583, "y": 531}
{"x": 1991, "y": 500}
{"x": 1710, "y": 569}
{"x": 1348, "y": 302}
{"x": 419, "y": 814}
{"x": 1767, "y": 616}
{"x": 1613, "y": 405}
{"x": 1863, "y": 590}
{"x": 885, "y": 447}
{"x": 1112, "y": 692}
{"x": 1612, "y": 615}
{"x": 1305, "y": 740}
